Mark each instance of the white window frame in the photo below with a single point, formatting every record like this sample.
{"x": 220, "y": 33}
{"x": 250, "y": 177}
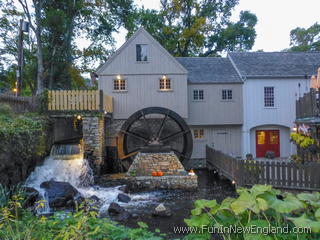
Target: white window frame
{"x": 269, "y": 97}
{"x": 227, "y": 95}
{"x": 121, "y": 83}
{"x": 146, "y": 55}
{"x": 198, "y": 134}
{"x": 198, "y": 95}
{"x": 165, "y": 84}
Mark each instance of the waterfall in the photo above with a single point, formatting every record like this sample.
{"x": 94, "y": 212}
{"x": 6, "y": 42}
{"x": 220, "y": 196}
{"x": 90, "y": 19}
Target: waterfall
{"x": 65, "y": 164}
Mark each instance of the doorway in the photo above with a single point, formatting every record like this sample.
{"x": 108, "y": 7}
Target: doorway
{"x": 267, "y": 140}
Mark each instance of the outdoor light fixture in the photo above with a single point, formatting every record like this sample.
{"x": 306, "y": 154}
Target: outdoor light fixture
{"x": 118, "y": 77}
{"x": 164, "y": 77}
{"x": 14, "y": 90}
{"x": 79, "y": 117}
{"x": 233, "y": 182}
{"x": 294, "y": 129}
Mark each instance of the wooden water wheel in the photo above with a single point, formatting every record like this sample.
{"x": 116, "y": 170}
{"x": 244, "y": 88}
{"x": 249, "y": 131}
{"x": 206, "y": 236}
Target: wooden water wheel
{"x": 150, "y": 127}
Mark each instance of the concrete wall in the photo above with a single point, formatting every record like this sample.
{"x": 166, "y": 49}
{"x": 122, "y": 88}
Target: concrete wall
{"x": 213, "y": 110}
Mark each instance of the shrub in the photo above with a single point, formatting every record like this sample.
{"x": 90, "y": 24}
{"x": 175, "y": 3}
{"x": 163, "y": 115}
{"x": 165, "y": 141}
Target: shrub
{"x": 262, "y": 207}
{"x": 16, "y": 223}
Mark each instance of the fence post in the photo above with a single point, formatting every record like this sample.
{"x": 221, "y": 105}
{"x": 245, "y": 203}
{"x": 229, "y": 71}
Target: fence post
{"x": 101, "y": 101}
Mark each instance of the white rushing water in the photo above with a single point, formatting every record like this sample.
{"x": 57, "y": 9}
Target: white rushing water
{"x": 78, "y": 173}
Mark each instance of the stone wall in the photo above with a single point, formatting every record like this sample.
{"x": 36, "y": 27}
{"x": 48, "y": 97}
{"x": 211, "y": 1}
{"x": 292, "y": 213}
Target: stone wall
{"x": 165, "y": 182}
{"x": 93, "y": 138}
{"x": 145, "y": 163}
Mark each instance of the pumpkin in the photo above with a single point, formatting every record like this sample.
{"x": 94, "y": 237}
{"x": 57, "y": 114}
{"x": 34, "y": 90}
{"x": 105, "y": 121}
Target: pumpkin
{"x": 160, "y": 174}
{"x": 154, "y": 173}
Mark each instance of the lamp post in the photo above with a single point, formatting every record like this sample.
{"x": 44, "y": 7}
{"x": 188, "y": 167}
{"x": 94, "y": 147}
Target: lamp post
{"x": 24, "y": 27}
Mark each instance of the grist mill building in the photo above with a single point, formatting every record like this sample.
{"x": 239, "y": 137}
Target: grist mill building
{"x": 239, "y": 104}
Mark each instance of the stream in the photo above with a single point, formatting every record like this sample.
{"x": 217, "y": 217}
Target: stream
{"x": 78, "y": 173}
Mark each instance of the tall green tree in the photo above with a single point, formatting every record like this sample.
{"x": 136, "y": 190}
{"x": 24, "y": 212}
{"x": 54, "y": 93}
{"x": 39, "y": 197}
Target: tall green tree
{"x": 305, "y": 39}
{"x": 198, "y": 27}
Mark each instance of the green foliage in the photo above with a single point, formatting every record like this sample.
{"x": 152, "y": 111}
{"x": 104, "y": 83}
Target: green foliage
{"x": 302, "y": 39}
{"x": 260, "y": 206}
{"x": 22, "y": 135}
{"x": 197, "y": 28}
{"x": 302, "y": 140}
{"x": 17, "y": 223}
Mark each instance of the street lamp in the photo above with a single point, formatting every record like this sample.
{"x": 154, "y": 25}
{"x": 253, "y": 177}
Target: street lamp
{"x": 24, "y": 28}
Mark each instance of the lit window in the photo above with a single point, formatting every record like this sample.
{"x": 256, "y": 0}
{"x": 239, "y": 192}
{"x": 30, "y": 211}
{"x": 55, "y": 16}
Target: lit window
{"x": 198, "y": 133}
{"x": 269, "y": 96}
{"x": 198, "y": 95}
{"x": 226, "y": 94}
{"x": 119, "y": 84}
{"x": 165, "y": 83}
{"x": 142, "y": 52}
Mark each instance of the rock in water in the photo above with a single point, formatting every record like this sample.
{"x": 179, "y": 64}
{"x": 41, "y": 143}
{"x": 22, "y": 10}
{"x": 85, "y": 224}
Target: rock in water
{"x": 32, "y": 195}
{"x": 115, "y": 208}
{"x": 123, "y": 198}
{"x": 162, "y": 211}
{"x": 122, "y": 217}
{"x": 60, "y": 194}
{"x": 124, "y": 189}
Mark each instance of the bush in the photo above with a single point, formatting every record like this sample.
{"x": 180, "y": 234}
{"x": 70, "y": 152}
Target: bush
{"x": 259, "y": 207}
{"x": 5, "y": 109}
{"x": 16, "y": 223}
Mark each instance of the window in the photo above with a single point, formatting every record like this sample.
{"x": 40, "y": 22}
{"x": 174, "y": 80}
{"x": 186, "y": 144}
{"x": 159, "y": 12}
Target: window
{"x": 142, "y": 52}
{"x": 198, "y": 95}
{"x": 165, "y": 83}
{"x": 226, "y": 94}
{"x": 119, "y": 84}
{"x": 198, "y": 133}
{"x": 269, "y": 96}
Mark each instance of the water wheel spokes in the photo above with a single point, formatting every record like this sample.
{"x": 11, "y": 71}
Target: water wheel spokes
{"x": 154, "y": 126}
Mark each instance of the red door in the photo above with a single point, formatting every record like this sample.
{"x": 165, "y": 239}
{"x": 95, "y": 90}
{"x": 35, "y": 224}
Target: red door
{"x": 267, "y": 140}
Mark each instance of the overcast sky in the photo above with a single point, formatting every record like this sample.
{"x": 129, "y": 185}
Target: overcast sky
{"x": 275, "y": 19}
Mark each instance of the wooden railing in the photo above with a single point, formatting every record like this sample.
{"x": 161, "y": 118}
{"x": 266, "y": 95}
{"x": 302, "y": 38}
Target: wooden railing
{"x": 287, "y": 175}
{"x": 19, "y": 104}
{"x": 306, "y": 105}
{"x": 82, "y": 100}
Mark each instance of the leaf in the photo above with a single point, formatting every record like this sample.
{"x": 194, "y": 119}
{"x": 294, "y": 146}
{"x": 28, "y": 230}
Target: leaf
{"x": 198, "y": 221}
{"x": 287, "y": 205}
{"x": 244, "y": 202}
{"x": 317, "y": 214}
{"x": 202, "y": 203}
{"x": 262, "y": 204}
{"x": 311, "y": 198}
{"x": 305, "y": 222}
{"x": 142, "y": 225}
{"x": 256, "y": 235}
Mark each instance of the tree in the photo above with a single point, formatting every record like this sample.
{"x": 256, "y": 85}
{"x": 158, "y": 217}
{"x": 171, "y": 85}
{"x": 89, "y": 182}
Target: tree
{"x": 302, "y": 39}
{"x": 198, "y": 27}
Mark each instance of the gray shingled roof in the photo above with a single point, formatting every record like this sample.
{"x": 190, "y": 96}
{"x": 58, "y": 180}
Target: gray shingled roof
{"x": 209, "y": 70}
{"x": 276, "y": 64}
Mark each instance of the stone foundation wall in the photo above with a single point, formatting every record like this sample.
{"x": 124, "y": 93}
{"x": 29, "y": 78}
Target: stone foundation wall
{"x": 145, "y": 163}
{"x": 165, "y": 182}
{"x": 93, "y": 137}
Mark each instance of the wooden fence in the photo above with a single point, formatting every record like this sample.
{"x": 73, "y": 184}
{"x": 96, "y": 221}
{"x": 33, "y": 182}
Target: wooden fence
{"x": 306, "y": 105}
{"x": 19, "y": 104}
{"x": 82, "y": 100}
{"x": 278, "y": 174}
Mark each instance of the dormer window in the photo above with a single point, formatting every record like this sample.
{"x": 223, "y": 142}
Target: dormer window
{"x": 165, "y": 83}
{"x": 142, "y": 52}
{"x": 119, "y": 84}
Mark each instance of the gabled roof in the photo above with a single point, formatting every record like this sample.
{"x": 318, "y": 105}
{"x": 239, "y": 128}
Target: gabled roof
{"x": 275, "y": 64}
{"x": 140, "y": 31}
{"x": 209, "y": 70}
